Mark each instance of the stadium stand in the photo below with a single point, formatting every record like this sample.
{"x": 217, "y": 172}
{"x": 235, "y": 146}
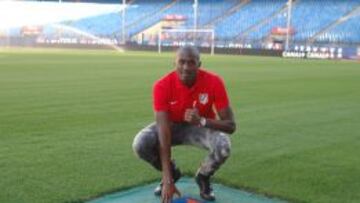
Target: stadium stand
{"x": 142, "y": 14}
{"x": 244, "y": 18}
{"x": 309, "y": 17}
{"x": 317, "y": 21}
{"x": 208, "y": 10}
{"x": 346, "y": 31}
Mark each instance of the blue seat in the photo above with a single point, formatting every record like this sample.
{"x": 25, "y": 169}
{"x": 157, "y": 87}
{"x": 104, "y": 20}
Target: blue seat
{"x": 308, "y": 18}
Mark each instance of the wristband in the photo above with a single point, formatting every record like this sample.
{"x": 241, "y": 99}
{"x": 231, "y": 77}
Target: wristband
{"x": 202, "y": 122}
{"x": 169, "y": 182}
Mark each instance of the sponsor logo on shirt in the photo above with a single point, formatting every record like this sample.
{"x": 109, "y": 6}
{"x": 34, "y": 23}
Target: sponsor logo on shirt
{"x": 203, "y": 98}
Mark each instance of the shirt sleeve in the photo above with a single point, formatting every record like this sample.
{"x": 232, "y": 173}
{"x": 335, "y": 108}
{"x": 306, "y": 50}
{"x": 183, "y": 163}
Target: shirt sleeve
{"x": 160, "y": 97}
{"x": 221, "y": 98}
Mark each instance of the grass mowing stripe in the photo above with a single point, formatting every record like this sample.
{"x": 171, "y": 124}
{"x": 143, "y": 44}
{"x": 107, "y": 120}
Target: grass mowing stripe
{"x": 67, "y": 120}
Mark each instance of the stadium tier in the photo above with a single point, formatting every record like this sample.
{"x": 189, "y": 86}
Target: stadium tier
{"x": 252, "y": 20}
{"x": 142, "y": 14}
{"x": 346, "y": 31}
{"x": 309, "y": 17}
{"x": 250, "y": 14}
{"x": 234, "y": 21}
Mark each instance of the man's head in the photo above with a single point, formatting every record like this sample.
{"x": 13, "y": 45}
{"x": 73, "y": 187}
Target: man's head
{"x": 187, "y": 63}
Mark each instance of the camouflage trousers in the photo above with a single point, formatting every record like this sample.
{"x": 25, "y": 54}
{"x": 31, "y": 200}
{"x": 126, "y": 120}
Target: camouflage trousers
{"x": 146, "y": 145}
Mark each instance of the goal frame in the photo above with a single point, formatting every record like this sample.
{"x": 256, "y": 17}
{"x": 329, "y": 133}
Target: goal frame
{"x": 211, "y": 31}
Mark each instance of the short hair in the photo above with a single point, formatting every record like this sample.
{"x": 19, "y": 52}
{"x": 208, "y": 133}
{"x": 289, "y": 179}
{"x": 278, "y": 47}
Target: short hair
{"x": 191, "y": 50}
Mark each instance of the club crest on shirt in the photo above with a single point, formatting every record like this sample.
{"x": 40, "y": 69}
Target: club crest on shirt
{"x": 203, "y": 98}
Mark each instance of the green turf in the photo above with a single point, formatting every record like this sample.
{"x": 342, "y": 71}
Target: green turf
{"x": 67, "y": 120}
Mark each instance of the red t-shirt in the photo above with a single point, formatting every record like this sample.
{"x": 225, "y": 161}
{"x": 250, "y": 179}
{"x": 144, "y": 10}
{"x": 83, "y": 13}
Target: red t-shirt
{"x": 171, "y": 95}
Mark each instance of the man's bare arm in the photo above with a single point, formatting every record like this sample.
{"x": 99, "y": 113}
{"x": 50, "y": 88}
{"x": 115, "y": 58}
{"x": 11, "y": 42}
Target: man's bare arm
{"x": 163, "y": 125}
{"x": 226, "y": 122}
{"x": 168, "y": 188}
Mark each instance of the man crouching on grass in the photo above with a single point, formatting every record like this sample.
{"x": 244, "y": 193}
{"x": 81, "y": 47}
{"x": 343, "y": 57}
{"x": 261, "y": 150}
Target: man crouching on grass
{"x": 184, "y": 101}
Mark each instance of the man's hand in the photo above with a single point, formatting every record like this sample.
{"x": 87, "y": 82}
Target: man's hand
{"x": 168, "y": 191}
{"x": 192, "y": 116}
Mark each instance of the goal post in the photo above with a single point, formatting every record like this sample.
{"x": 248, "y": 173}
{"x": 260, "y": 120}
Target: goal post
{"x": 202, "y": 38}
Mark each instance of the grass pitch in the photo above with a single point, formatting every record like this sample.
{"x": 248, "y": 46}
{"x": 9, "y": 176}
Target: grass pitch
{"x": 67, "y": 120}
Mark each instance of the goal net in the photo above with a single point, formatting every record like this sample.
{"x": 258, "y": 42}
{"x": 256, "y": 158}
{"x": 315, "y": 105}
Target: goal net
{"x": 204, "y": 39}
